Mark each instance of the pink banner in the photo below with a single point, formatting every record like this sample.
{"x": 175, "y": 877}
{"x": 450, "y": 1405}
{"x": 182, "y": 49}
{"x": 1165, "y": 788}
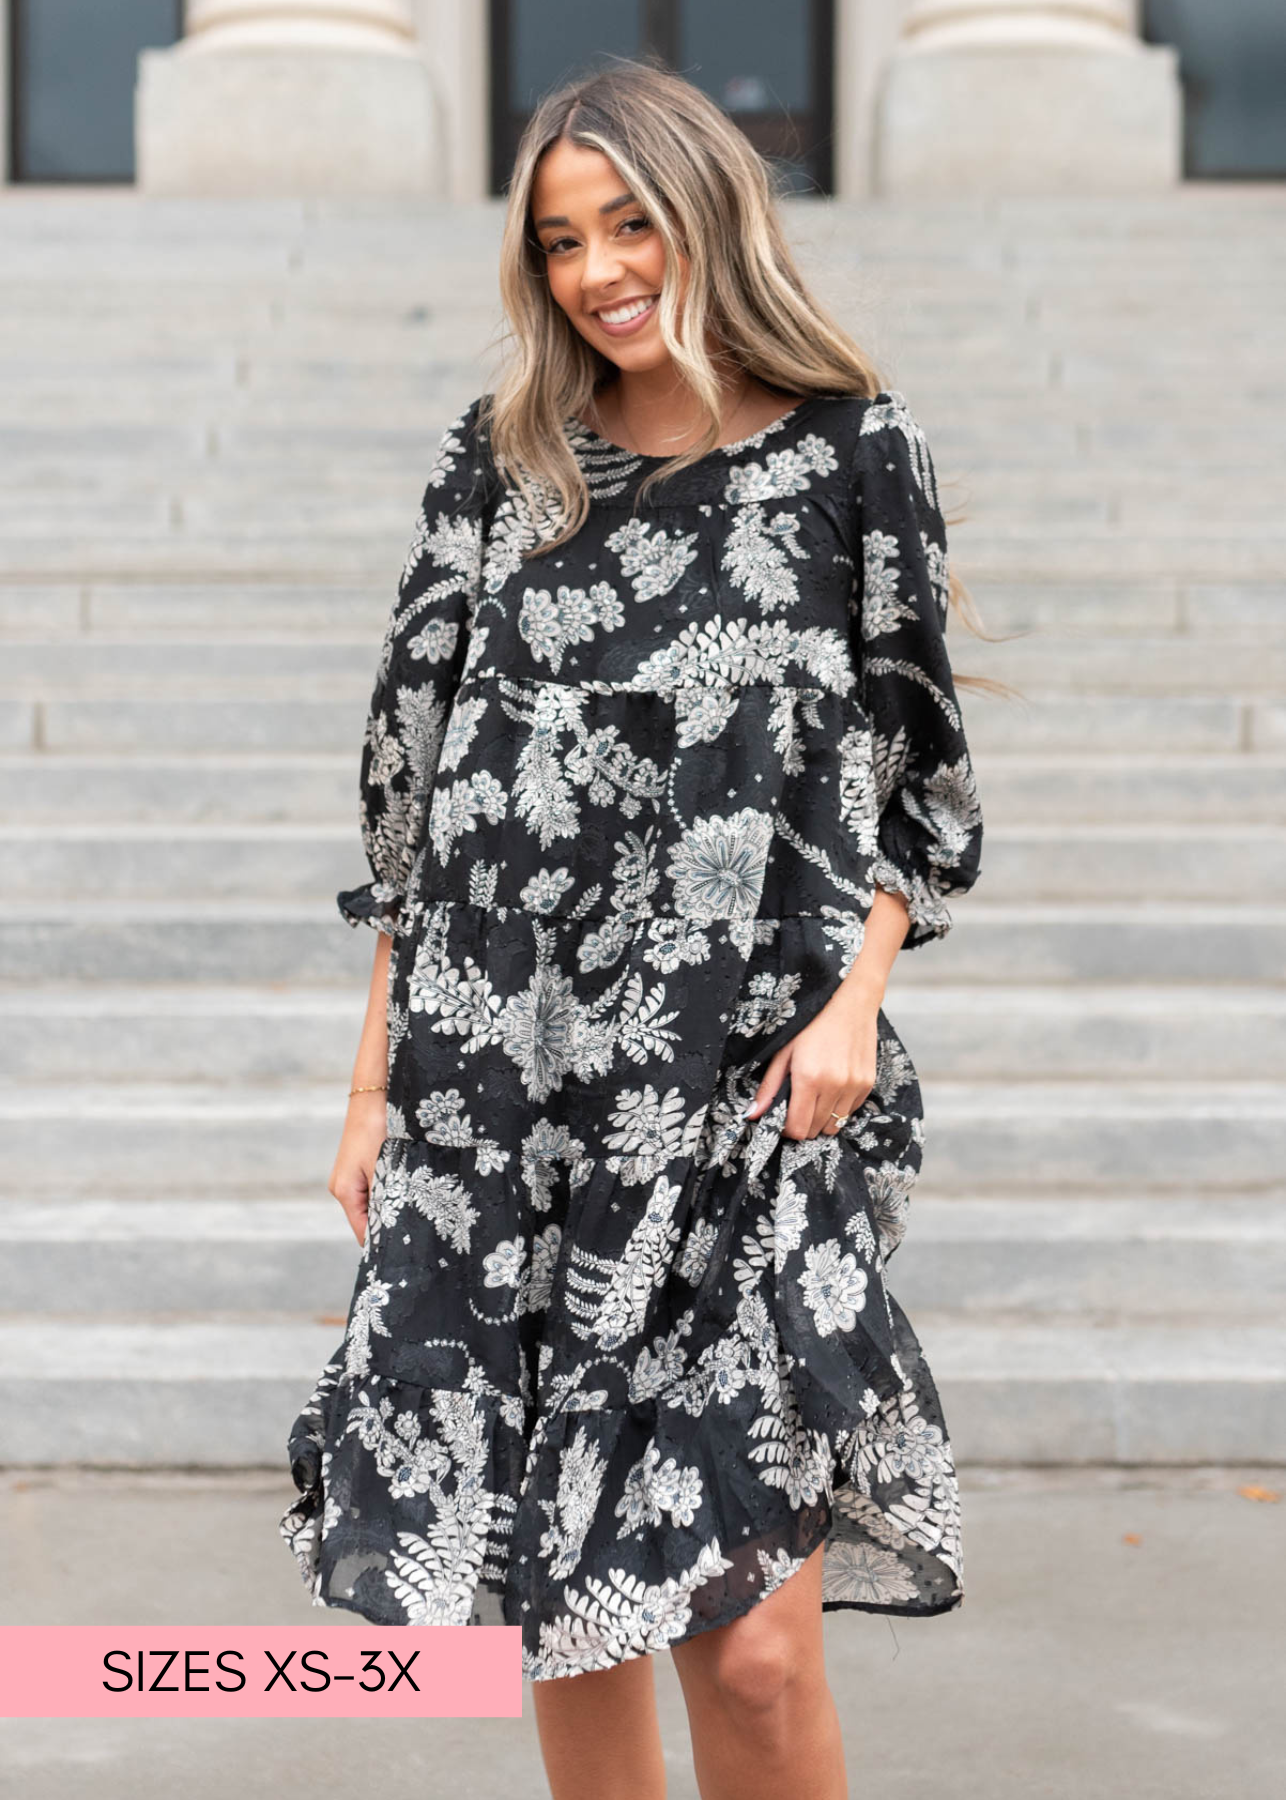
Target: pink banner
{"x": 260, "y": 1672}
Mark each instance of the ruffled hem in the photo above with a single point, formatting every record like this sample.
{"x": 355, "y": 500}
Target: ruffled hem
{"x": 929, "y": 917}
{"x": 616, "y": 1404}
{"x": 376, "y": 903}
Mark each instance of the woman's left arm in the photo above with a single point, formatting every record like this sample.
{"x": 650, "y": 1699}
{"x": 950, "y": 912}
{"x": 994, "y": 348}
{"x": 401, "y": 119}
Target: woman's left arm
{"x": 929, "y": 836}
{"x": 832, "y": 1061}
{"x": 930, "y": 822}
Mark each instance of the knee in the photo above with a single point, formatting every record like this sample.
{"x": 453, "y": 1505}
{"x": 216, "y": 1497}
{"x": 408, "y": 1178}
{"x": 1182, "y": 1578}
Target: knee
{"x": 752, "y": 1678}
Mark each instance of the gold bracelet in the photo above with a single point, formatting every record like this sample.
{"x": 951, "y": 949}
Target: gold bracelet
{"x": 376, "y": 1088}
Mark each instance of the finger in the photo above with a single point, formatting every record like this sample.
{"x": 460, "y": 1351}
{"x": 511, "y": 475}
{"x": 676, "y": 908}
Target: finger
{"x": 846, "y": 1104}
{"x": 802, "y": 1109}
{"x": 769, "y": 1082}
{"x": 356, "y": 1220}
{"x": 354, "y": 1199}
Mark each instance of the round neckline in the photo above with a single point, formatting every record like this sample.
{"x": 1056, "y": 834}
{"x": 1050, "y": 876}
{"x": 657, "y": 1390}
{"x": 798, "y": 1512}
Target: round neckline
{"x": 773, "y": 425}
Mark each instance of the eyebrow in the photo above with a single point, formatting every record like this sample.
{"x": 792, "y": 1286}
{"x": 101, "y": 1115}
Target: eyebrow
{"x": 607, "y": 207}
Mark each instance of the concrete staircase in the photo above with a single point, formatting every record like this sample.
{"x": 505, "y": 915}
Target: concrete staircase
{"x": 215, "y": 421}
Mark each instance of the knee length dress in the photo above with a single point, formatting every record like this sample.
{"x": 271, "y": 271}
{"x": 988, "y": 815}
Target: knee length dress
{"x": 617, "y": 1359}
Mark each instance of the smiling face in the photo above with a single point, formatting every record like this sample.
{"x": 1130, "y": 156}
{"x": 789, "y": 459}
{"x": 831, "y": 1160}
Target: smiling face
{"x": 604, "y": 259}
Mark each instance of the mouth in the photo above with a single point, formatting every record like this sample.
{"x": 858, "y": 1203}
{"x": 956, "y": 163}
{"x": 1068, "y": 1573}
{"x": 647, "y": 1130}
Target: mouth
{"x": 626, "y": 315}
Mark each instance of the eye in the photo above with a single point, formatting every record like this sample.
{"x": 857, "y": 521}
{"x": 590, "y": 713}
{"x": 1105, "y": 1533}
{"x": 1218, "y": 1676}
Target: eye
{"x": 552, "y": 248}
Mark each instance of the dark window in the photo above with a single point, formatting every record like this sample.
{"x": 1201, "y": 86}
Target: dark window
{"x": 766, "y": 62}
{"x": 1232, "y": 63}
{"x": 72, "y": 69}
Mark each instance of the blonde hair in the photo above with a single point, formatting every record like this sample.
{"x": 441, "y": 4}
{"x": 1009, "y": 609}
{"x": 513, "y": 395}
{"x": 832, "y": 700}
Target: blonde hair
{"x": 712, "y": 197}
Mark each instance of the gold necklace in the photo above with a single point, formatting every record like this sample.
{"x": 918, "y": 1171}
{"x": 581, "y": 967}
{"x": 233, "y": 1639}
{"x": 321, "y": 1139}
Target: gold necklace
{"x": 633, "y": 444}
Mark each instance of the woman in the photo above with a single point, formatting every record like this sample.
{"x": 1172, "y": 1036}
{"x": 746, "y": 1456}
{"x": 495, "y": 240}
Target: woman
{"x": 663, "y": 766}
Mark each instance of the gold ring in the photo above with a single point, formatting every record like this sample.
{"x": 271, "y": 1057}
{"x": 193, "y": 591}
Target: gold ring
{"x": 840, "y": 1116}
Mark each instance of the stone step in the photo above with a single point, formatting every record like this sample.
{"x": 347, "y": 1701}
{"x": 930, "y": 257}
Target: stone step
{"x": 203, "y": 725}
{"x": 283, "y": 311}
{"x": 208, "y": 480}
{"x": 405, "y": 308}
{"x": 1151, "y": 1135}
{"x": 287, "y": 861}
{"x": 1124, "y": 611}
{"x": 996, "y": 1137}
{"x": 298, "y": 350}
{"x": 222, "y": 1392}
{"x": 1115, "y": 612}
{"x": 1090, "y": 1031}
{"x": 1023, "y": 1391}
{"x": 245, "y": 609}
{"x": 48, "y": 609}
{"x": 384, "y": 507}
{"x": 228, "y": 788}
{"x": 294, "y": 665}
{"x": 418, "y": 408}
{"x": 367, "y": 347}
{"x": 384, "y": 464}
{"x": 45, "y": 430}
{"x": 281, "y": 861}
{"x": 247, "y": 367}
{"x": 225, "y": 441}
{"x": 172, "y": 553}
{"x": 396, "y": 430}
{"x": 1069, "y": 1257}
{"x": 1077, "y": 862}
{"x": 245, "y": 941}
{"x": 1033, "y": 724}
{"x": 201, "y": 610}
{"x": 984, "y": 550}
{"x": 135, "y": 668}
{"x": 1233, "y": 788}
{"x": 156, "y": 538}
{"x": 1172, "y": 1257}
{"x": 1052, "y": 663}
{"x": 208, "y": 1035}
{"x": 1217, "y": 787}
{"x": 1146, "y": 941}
{"x": 178, "y": 1255}
{"x": 153, "y": 1033}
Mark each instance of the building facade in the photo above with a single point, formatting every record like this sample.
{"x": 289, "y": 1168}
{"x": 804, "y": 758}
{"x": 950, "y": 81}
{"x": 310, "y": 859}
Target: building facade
{"x": 847, "y": 97}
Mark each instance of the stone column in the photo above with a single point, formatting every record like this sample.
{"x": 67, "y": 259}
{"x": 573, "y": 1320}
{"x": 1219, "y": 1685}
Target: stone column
{"x": 290, "y": 97}
{"x": 1006, "y": 96}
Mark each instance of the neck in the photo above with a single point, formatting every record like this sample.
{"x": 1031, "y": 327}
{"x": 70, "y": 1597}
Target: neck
{"x": 654, "y": 407}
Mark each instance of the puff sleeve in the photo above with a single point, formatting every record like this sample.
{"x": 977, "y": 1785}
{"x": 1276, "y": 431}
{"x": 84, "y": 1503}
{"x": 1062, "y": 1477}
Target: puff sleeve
{"x": 930, "y": 821}
{"x": 420, "y": 661}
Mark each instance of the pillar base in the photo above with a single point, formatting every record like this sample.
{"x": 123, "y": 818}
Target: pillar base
{"x": 1030, "y": 120}
{"x": 297, "y": 121}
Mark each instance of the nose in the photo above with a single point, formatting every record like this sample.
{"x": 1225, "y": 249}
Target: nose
{"x": 600, "y": 271}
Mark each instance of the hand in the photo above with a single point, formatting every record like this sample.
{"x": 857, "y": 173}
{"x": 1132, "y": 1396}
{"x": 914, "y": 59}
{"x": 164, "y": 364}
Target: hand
{"x": 832, "y": 1064}
{"x": 365, "y": 1130}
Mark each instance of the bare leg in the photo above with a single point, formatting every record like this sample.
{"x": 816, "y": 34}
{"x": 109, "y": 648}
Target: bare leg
{"x": 762, "y": 1717}
{"x": 599, "y": 1733}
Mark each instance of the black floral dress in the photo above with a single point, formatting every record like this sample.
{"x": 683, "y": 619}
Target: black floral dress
{"x": 618, "y": 1359}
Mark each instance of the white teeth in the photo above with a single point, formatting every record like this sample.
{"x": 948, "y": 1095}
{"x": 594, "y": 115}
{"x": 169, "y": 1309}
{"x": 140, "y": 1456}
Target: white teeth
{"x": 624, "y": 313}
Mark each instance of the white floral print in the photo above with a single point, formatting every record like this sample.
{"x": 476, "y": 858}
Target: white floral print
{"x": 618, "y": 1360}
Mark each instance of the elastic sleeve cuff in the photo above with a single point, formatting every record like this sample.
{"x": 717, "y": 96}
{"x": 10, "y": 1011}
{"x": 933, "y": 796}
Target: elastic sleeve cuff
{"x": 376, "y": 903}
{"x": 925, "y": 904}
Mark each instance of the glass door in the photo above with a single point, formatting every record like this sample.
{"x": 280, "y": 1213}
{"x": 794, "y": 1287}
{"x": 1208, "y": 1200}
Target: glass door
{"x": 1232, "y": 64}
{"x": 766, "y": 62}
{"x": 72, "y": 68}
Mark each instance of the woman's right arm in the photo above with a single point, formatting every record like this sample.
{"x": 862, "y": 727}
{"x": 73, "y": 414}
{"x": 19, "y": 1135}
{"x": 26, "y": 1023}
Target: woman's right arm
{"x": 365, "y": 1124}
{"x": 421, "y": 657}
